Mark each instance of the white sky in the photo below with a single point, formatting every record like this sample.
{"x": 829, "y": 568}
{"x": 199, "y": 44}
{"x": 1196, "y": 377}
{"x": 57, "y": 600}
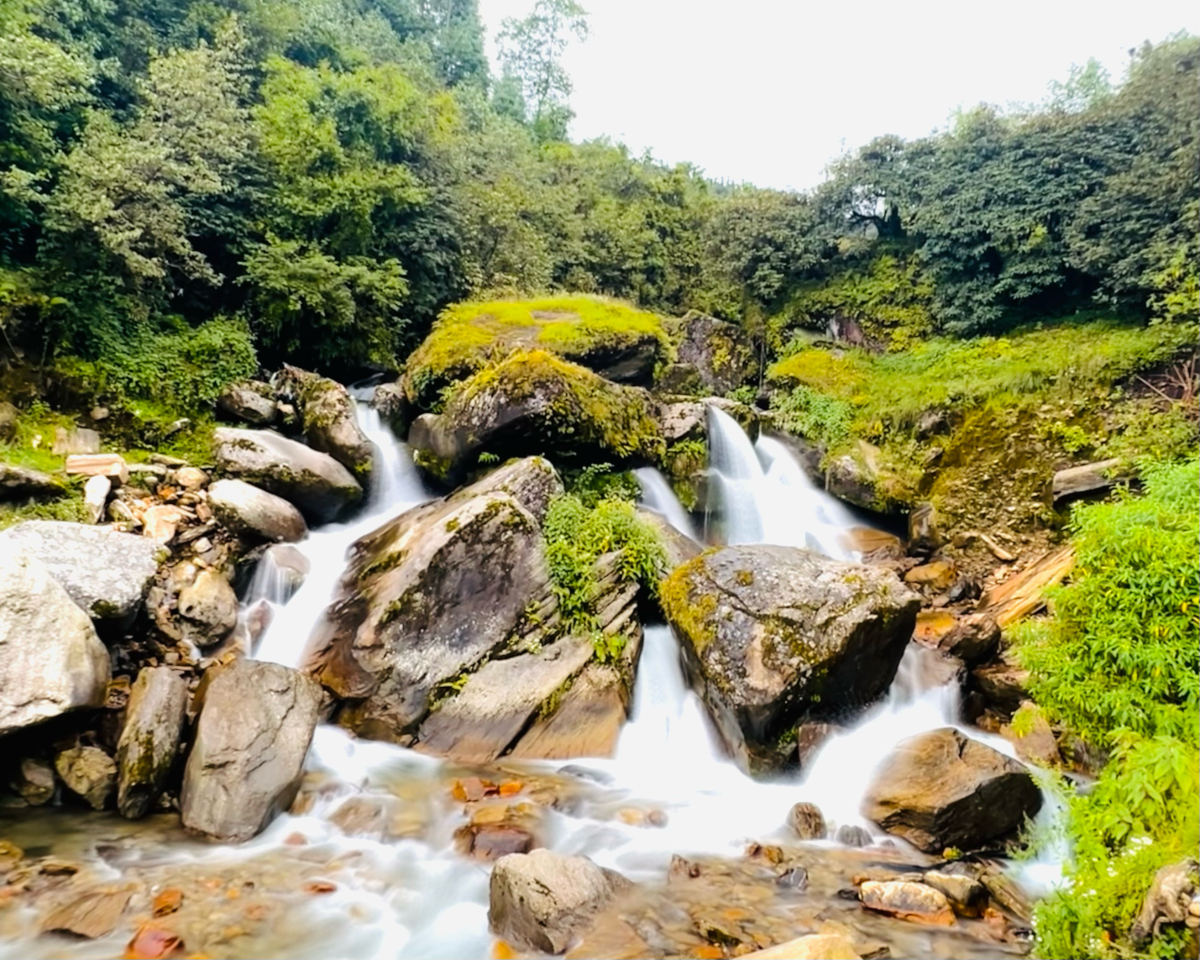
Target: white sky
{"x": 769, "y": 91}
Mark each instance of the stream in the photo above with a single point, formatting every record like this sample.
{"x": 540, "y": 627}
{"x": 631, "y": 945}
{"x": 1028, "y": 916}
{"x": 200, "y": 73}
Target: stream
{"x": 668, "y": 790}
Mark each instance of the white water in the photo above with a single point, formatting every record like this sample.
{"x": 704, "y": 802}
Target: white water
{"x": 659, "y": 497}
{"x": 760, "y": 494}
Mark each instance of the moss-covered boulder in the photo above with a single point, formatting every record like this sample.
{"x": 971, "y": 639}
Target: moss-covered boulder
{"x": 776, "y": 635}
{"x": 328, "y": 419}
{"x": 709, "y": 357}
{"x": 533, "y": 402}
{"x": 614, "y": 339}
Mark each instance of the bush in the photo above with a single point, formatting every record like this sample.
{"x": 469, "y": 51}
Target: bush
{"x": 1117, "y": 665}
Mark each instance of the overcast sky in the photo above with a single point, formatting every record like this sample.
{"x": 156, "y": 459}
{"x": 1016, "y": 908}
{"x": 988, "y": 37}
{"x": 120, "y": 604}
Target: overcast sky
{"x": 769, "y": 91}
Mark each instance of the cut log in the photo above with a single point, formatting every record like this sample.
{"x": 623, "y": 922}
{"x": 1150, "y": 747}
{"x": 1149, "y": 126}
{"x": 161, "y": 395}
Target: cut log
{"x": 1023, "y": 593}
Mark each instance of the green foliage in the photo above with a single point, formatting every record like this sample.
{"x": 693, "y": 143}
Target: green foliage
{"x": 805, "y": 412}
{"x": 600, "y": 481}
{"x": 531, "y": 51}
{"x": 577, "y": 536}
{"x": 70, "y": 508}
{"x": 1117, "y": 664}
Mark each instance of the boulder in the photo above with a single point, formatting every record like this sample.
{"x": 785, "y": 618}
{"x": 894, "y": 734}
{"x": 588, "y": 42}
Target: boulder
{"x": 711, "y": 357}
{"x": 860, "y": 478}
{"x": 1171, "y": 899}
{"x": 160, "y": 522}
{"x": 88, "y": 772}
{"x": 1088, "y": 478}
{"x": 942, "y": 789}
{"x": 321, "y": 487}
{"x": 679, "y": 547}
{"x": 923, "y": 534}
{"x": 149, "y": 742}
{"x": 33, "y": 781}
{"x": 852, "y": 835}
{"x": 1031, "y": 736}
{"x": 246, "y": 509}
{"x": 536, "y": 403}
{"x": 109, "y": 465}
{"x": 807, "y": 822}
{"x": 106, "y": 572}
{"x": 389, "y": 399}
{"x": 329, "y": 420}
{"x": 51, "y": 660}
{"x": 541, "y": 900}
{"x": 973, "y": 639}
{"x": 76, "y": 441}
{"x": 966, "y": 895}
{"x": 1002, "y": 683}
{"x": 907, "y": 900}
{"x": 208, "y": 607}
{"x": 249, "y": 401}
{"x": 247, "y": 758}
{"x": 190, "y": 479}
{"x": 777, "y": 635}
{"x": 20, "y": 483}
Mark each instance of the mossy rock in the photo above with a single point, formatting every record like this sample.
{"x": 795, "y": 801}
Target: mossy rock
{"x": 711, "y": 357}
{"x": 612, "y": 338}
{"x": 534, "y": 402}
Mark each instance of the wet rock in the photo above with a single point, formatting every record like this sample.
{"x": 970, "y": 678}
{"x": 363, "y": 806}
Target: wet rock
{"x": 1002, "y": 683}
{"x": 1088, "y": 478}
{"x": 321, "y": 487}
{"x": 95, "y": 496}
{"x": 541, "y": 900}
{"x": 33, "y": 781}
{"x": 793, "y": 878}
{"x": 966, "y": 895}
{"x": 679, "y": 547}
{"x": 51, "y": 660}
{"x": 875, "y": 546}
{"x": 778, "y": 635}
{"x": 907, "y": 901}
{"x": 210, "y": 607}
{"x": 19, "y": 483}
{"x": 711, "y": 357}
{"x": 329, "y": 420}
{"x": 149, "y": 743}
{"x": 289, "y": 566}
{"x": 106, "y": 572}
{"x": 936, "y": 576}
{"x": 108, "y": 465}
{"x": 88, "y": 772}
{"x": 815, "y": 946}
{"x": 152, "y": 942}
{"x": 248, "y": 755}
{"x": 93, "y": 914}
{"x": 364, "y": 816}
{"x": 811, "y": 737}
{"x": 852, "y": 835}
{"x": 923, "y": 535}
{"x": 807, "y": 822}
{"x": 246, "y": 509}
{"x": 973, "y": 639}
{"x": 491, "y": 841}
{"x": 389, "y": 399}
{"x": 1170, "y": 900}
{"x": 941, "y": 789}
{"x": 78, "y": 441}
{"x": 249, "y": 401}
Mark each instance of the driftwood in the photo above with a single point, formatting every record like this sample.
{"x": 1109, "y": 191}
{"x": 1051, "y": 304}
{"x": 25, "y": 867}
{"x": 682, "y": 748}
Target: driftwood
{"x": 1022, "y": 593}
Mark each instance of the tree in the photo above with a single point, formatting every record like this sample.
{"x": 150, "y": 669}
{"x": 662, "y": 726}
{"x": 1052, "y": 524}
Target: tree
{"x": 531, "y": 53}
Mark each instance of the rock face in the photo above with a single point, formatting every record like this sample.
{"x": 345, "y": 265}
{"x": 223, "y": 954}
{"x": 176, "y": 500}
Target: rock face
{"x": 105, "y": 572}
{"x": 536, "y": 403}
{"x": 329, "y": 420}
{"x": 942, "y": 789}
{"x": 150, "y": 741}
{"x": 321, "y": 487}
{"x": 540, "y": 900}
{"x": 776, "y": 635}
{"x": 18, "y": 483}
{"x": 51, "y": 660}
{"x": 712, "y": 357}
{"x": 247, "y": 509}
{"x": 251, "y": 739}
{"x": 88, "y": 772}
{"x": 250, "y": 401}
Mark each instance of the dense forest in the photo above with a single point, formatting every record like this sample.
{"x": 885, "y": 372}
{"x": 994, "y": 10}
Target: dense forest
{"x": 195, "y": 193}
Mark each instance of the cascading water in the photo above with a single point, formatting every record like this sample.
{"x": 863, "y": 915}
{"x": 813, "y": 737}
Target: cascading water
{"x": 659, "y": 497}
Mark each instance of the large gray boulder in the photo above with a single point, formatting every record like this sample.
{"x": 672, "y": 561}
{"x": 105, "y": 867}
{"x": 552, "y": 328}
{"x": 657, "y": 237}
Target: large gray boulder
{"x": 150, "y": 740}
{"x": 541, "y": 900}
{"x": 329, "y": 420}
{"x": 321, "y": 487}
{"x": 250, "y": 401}
{"x": 51, "y": 660}
{"x": 246, "y": 509}
{"x": 248, "y": 755}
{"x": 711, "y": 357}
{"x": 942, "y": 789}
{"x": 777, "y": 635}
{"x": 107, "y": 573}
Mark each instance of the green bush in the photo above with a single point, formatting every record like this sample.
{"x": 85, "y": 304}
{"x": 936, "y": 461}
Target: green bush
{"x": 1117, "y": 665}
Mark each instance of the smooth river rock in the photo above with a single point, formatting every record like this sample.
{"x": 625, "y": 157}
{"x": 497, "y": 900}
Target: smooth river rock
{"x": 246, "y": 509}
{"x": 247, "y": 759}
{"x": 330, "y": 422}
{"x": 150, "y": 740}
{"x": 321, "y": 487}
{"x": 778, "y": 635}
{"x": 51, "y": 660}
{"x": 942, "y": 789}
{"x": 107, "y": 573}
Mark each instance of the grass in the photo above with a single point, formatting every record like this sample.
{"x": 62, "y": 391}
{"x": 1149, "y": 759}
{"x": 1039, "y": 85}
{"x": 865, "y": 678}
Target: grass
{"x": 469, "y": 335}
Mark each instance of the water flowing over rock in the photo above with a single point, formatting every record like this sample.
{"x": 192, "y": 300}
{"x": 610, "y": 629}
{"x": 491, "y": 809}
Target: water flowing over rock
{"x": 541, "y": 900}
{"x": 942, "y": 789}
{"x": 321, "y": 487}
{"x": 329, "y": 420}
{"x": 246, "y": 509}
{"x": 51, "y": 660}
{"x": 106, "y": 572}
{"x": 251, "y": 739}
{"x": 150, "y": 741}
{"x": 776, "y": 635}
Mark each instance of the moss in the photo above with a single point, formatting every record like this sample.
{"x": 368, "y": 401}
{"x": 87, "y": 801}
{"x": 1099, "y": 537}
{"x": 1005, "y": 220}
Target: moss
{"x": 684, "y": 458}
{"x": 468, "y": 336}
{"x": 451, "y": 525}
{"x": 389, "y": 561}
{"x": 695, "y": 616}
{"x": 431, "y": 463}
{"x": 550, "y": 705}
{"x": 71, "y": 508}
{"x": 745, "y": 578}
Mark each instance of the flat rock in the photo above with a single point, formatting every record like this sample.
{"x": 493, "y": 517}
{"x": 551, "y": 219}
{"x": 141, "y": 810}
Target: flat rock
{"x": 907, "y": 901}
{"x": 51, "y": 660}
{"x": 106, "y": 572}
{"x": 93, "y": 914}
{"x": 1087, "y": 478}
{"x": 109, "y": 465}
{"x": 149, "y": 743}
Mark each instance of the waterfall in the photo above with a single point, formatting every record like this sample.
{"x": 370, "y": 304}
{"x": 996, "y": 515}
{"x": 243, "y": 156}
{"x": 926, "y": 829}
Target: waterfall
{"x": 760, "y": 494}
{"x": 658, "y": 496}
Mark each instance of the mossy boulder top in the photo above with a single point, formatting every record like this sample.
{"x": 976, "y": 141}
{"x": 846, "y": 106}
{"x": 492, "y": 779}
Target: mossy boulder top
{"x": 614, "y": 339}
{"x": 779, "y": 635}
